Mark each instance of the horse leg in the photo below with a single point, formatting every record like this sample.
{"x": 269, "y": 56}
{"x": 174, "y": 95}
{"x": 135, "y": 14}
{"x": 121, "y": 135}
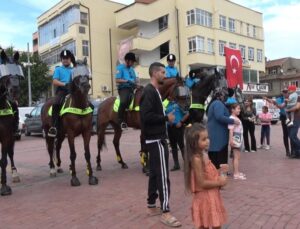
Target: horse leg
{"x": 100, "y": 144}
{"x": 58, "y": 143}
{"x": 74, "y": 180}
{"x": 5, "y": 189}
{"x": 116, "y": 142}
{"x": 50, "y": 146}
{"x": 87, "y": 154}
{"x": 15, "y": 176}
{"x": 144, "y": 155}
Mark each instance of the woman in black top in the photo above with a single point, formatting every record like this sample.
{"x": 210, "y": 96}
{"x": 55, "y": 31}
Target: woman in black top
{"x": 248, "y": 119}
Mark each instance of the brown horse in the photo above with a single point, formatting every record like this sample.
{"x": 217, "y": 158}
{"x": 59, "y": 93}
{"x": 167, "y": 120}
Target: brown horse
{"x": 10, "y": 73}
{"x": 73, "y": 123}
{"x": 107, "y": 115}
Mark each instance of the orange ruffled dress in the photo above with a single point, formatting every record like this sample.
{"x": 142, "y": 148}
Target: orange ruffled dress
{"x": 207, "y": 207}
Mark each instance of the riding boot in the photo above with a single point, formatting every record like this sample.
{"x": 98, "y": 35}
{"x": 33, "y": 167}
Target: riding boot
{"x": 91, "y": 105}
{"x": 55, "y": 121}
{"x": 176, "y": 161}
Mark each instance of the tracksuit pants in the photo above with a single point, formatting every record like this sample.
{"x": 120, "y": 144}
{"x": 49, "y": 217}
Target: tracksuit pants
{"x": 159, "y": 175}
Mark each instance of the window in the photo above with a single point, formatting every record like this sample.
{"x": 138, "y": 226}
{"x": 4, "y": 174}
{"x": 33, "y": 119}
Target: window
{"x": 196, "y": 44}
{"x": 199, "y": 17}
{"x": 54, "y": 33}
{"x": 82, "y": 29}
{"x": 243, "y": 51}
{"x": 248, "y": 30}
{"x": 163, "y": 23}
{"x": 83, "y": 18}
{"x": 222, "y": 45}
{"x": 251, "y": 54}
{"x": 250, "y": 76}
{"x": 259, "y": 55}
{"x": 210, "y": 46}
{"x": 231, "y": 25}
{"x": 232, "y": 45}
{"x": 222, "y": 21}
{"x": 85, "y": 48}
{"x": 164, "y": 49}
{"x": 254, "y": 31}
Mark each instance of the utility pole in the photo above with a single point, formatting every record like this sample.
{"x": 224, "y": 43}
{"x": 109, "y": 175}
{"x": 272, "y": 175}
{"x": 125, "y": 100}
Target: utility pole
{"x": 29, "y": 77}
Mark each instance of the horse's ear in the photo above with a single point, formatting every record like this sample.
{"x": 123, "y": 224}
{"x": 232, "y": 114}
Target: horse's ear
{"x": 73, "y": 60}
{"x": 4, "y": 57}
{"x": 85, "y": 61}
{"x": 16, "y": 57}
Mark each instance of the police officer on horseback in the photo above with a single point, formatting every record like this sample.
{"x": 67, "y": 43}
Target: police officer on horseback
{"x": 62, "y": 78}
{"x": 171, "y": 70}
{"x": 126, "y": 80}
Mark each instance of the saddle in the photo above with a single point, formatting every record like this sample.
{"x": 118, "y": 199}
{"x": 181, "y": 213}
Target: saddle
{"x": 133, "y": 106}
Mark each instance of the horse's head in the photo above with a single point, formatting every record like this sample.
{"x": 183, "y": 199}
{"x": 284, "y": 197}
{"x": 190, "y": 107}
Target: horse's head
{"x": 10, "y": 74}
{"x": 80, "y": 77}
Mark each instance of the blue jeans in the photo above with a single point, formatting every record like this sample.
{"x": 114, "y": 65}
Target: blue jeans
{"x": 265, "y": 134}
{"x": 295, "y": 142}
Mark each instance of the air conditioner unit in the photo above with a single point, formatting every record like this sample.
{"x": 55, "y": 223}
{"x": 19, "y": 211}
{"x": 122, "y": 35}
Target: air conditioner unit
{"x": 105, "y": 88}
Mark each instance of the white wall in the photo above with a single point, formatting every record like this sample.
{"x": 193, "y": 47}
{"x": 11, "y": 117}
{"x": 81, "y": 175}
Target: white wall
{"x": 147, "y": 58}
{"x": 147, "y": 29}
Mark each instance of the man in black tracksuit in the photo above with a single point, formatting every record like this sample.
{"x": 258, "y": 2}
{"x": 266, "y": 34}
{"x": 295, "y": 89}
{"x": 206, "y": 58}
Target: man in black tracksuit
{"x": 153, "y": 122}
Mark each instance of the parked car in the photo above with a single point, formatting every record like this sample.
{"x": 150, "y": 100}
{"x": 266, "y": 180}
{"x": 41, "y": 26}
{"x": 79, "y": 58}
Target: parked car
{"x": 22, "y": 112}
{"x": 259, "y": 103}
{"x": 96, "y": 104}
{"x": 33, "y": 122}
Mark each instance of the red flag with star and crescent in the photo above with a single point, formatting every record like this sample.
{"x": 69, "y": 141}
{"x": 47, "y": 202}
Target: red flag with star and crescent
{"x": 234, "y": 68}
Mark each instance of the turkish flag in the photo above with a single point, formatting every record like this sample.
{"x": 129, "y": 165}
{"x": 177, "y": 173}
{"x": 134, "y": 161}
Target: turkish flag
{"x": 234, "y": 68}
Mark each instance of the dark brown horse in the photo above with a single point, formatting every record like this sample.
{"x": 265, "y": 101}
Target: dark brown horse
{"x": 77, "y": 121}
{"x": 10, "y": 73}
{"x": 107, "y": 115}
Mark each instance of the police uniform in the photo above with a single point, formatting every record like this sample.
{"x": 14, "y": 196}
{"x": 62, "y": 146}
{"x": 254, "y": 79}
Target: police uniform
{"x": 125, "y": 90}
{"x": 171, "y": 71}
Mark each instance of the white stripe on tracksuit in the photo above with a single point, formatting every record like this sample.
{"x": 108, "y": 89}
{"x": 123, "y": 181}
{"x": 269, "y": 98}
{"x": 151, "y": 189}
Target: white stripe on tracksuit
{"x": 164, "y": 176}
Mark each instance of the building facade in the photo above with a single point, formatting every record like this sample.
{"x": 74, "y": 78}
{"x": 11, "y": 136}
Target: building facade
{"x": 87, "y": 28}
{"x": 281, "y": 73}
{"x": 196, "y": 32}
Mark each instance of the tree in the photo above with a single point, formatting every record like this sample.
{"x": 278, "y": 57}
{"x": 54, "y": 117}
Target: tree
{"x": 40, "y": 82}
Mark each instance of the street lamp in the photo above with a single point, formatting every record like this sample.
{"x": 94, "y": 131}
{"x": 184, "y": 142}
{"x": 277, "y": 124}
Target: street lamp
{"x": 29, "y": 77}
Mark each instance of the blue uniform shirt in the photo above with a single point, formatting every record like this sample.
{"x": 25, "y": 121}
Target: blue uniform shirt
{"x": 125, "y": 73}
{"x": 63, "y": 74}
{"x": 279, "y": 101}
{"x": 171, "y": 72}
{"x": 178, "y": 112}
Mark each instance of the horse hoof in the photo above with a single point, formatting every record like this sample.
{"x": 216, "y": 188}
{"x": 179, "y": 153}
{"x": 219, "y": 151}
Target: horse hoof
{"x": 60, "y": 170}
{"x": 124, "y": 166}
{"x": 5, "y": 190}
{"x": 93, "y": 180}
{"x": 52, "y": 173}
{"x": 75, "y": 182}
{"x": 99, "y": 168}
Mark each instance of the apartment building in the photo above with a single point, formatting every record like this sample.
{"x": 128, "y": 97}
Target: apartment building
{"x": 196, "y": 32}
{"x": 88, "y": 29}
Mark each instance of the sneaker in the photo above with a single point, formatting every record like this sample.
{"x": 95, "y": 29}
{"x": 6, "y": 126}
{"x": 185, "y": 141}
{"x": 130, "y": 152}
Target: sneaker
{"x": 267, "y": 147}
{"x": 290, "y": 123}
{"x": 124, "y": 126}
{"x": 287, "y": 121}
{"x": 52, "y": 132}
{"x": 246, "y": 151}
{"x": 253, "y": 151}
{"x": 239, "y": 177}
{"x": 259, "y": 147}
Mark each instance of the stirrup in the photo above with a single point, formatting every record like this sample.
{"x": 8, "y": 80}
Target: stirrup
{"x": 124, "y": 126}
{"x": 52, "y": 132}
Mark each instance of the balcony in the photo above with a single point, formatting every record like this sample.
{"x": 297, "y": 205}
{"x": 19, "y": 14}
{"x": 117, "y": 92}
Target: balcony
{"x": 148, "y": 43}
{"x": 129, "y": 17}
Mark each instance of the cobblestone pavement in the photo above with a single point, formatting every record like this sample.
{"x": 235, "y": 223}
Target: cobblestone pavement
{"x": 270, "y": 198}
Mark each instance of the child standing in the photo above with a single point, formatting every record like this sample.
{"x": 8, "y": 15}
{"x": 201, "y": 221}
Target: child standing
{"x": 176, "y": 129}
{"x": 236, "y": 141}
{"x": 265, "y": 119}
{"x": 291, "y": 102}
{"x": 202, "y": 179}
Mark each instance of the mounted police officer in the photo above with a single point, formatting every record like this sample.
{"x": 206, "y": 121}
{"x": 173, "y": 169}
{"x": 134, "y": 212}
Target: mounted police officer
{"x": 62, "y": 78}
{"x": 171, "y": 70}
{"x": 126, "y": 80}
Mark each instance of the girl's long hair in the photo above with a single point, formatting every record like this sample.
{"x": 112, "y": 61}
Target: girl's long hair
{"x": 192, "y": 134}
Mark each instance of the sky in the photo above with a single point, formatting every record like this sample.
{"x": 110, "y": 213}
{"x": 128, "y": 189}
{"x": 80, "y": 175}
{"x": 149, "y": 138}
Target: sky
{"x": 281, "y": 30}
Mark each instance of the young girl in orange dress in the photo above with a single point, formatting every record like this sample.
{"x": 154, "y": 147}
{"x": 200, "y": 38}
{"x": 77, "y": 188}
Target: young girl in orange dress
{"x": 202, "y": 179}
